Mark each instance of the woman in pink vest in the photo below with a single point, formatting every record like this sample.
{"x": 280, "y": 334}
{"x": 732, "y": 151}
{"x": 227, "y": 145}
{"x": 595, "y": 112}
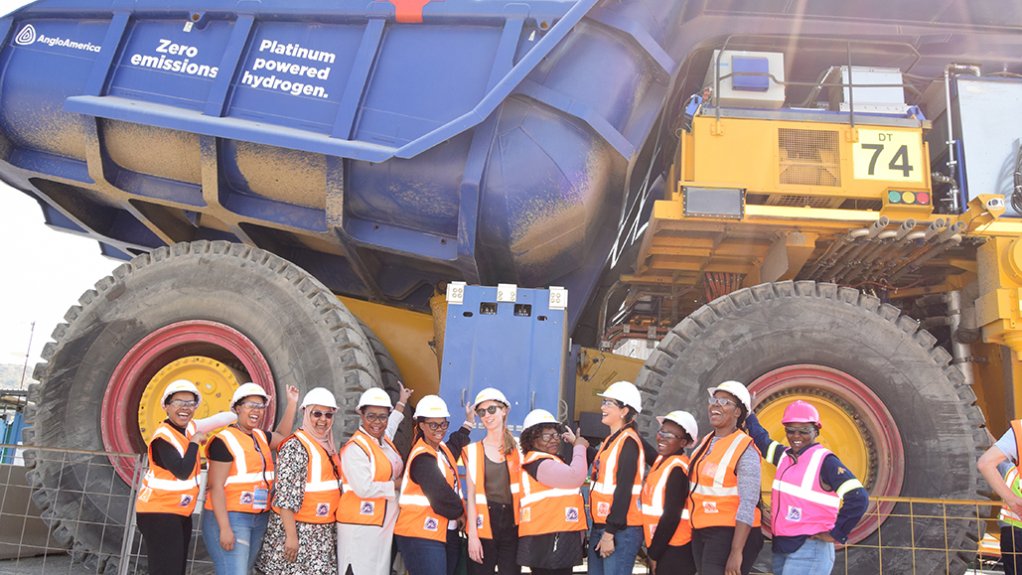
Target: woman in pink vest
{"x": 807, "y": 521}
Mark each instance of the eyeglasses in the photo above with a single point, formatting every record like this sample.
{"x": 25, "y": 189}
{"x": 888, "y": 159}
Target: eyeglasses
{"x": 376, "y": 417}
{"x": 434, "y": 426}
{"x": 484, "y": 410}
{"x": 318, "y": 414}
{"x": 613, "y": 402}
{"x": 722, "y": 401}
{"x": 798, "y": 431}
{"x": 549, "y": 436}
{"x": 183, "y": 403}
{"x": 253, "y": 405}
{"x": 667, "y": 435}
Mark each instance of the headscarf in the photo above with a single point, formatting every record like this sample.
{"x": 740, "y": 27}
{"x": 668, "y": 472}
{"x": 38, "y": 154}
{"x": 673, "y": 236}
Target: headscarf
{"x": 326, "y": 440}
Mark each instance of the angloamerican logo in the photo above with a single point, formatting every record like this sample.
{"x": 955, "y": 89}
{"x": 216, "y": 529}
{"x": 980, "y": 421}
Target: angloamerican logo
{"x": 28, "y": 36}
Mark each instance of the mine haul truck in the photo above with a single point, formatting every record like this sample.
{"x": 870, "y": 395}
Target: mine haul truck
{"x": 820, "y": 199}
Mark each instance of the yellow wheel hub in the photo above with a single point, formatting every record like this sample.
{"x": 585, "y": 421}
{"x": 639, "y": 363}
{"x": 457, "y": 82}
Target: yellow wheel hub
{"x": 840, "y": 434}
{"x": 216, "y": 383}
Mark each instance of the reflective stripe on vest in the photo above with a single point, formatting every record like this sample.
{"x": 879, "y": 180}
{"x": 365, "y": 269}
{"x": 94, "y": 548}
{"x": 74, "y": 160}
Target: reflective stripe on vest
{"x": 800, "y": 504}
{"x": 605, "y": 466}
{"x": 548, "y": 509}
{"x": 416, "y": 517}
{"x": 1013, "y": 480}
{"x": 353, "y": 509}
{"x": 250, "y": 470}
{"x": 653, "y": 494}
{"x": 161, "y": 491}
{"x": 714, "y": 481}
{"x": 322, "y": 486}
{"x": 474, "y": 459}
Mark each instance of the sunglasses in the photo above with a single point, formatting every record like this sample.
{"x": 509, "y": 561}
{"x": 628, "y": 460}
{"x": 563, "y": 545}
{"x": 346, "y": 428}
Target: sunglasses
{"x": 376, "y": 417}
{"x": 434, "y": 426}
{"x": 549, "y": 436}
{"x": 613, "y": 402}
{"x": 667, "y": 435}
{"x": 484, "y": 410}
{"x": 253, "y": 405}
{"x": 722, "y": 401}
{"x": 318, "y": 414}
{"x": 183, "y": 403}
{"x": 798, "y": 431}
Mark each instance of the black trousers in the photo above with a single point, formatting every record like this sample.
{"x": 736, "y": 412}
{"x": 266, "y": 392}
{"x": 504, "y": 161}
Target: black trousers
{"x": 167, "y": 537}
{"x": 711, "y": 547}
{"x": 565, "y": 571}
{"x": 1011, "y": 550}
{"x": 500, "y": 554}
{"x": 678, "y": 561}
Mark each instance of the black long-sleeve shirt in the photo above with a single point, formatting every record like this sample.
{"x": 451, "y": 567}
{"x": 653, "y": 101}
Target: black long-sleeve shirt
{"x": 167, "y": 456}
{"x": 424, "y": 471}
{"x": 624, "y": 480}
{"x": 676, "y": 493}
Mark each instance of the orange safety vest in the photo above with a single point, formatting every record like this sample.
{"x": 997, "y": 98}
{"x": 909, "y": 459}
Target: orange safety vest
{"x": 251, "y": 469}
{"x": 605, "y": 471}
{"x": 416, "y": 517}
{"x": 713, "y": 494}
{"x": 474, "y": 460}
{"x": 1013, "y": 479}
{"x": 322, "y": 486}
{"x": 653, "y": 494}
{"x": 548, "y": 509}
{"x": 161, "y": 490}
{"x": 354, "y": 509}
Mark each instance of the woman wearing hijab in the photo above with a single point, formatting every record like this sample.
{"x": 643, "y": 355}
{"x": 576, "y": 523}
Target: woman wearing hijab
{"x": 370, "y": 469}
{"x": 240, "y": 480}
{"x": 427, "y": 524}
{"x": 301, "y": 538}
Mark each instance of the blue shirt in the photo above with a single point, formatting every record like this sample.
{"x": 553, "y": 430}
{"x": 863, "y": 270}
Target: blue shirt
{"x": 833, "y": 474}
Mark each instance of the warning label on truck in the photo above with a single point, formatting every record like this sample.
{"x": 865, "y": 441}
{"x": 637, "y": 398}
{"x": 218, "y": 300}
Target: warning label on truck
{"x": 289, "y": 67}
{"x": 171, "y": 56}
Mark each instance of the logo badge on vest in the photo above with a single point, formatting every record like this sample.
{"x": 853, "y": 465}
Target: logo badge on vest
{"x": 794, "y": 514}
{"x": 322, "y": 510}
{"x": 247, "y": 497}
{"x": 430, "y": 524}
{"x": 185, "y": 500}
{"x": 571, "y": 514}
{"x": 710, "y": 507}
{"x": 603, "y": 508}
{"x": 479, "y": 521}
{"x": 367, "y": 508}
{"x": 526, "y": 515}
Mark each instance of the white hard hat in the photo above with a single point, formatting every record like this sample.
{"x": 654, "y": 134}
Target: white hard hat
{"x": 490, "y": 394}
{"x": 319, "y": 396}
{"x": 181, "y": 385}
{"x": 375, "y": 397}
{"x": 247, "y": 390}
{"x": 538, "y": 417}
{"x": 736, "y": 389}
{"x": 684, "y": 419}
{"x": 626, "y": 393}
{"x": 431, "y": 406}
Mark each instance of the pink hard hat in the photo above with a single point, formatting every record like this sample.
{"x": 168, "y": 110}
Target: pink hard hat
{"x": 801, "y": 412}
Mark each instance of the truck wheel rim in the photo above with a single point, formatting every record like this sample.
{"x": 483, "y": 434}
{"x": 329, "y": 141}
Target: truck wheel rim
{"x": 857, "y": 425}
{"x": 151, "y": 364}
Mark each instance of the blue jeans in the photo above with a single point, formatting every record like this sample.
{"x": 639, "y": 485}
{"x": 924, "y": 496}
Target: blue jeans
{"x": 428, "y": 557}
{"x": 248, "y": 529}
{"x": 812, "y": 558}
{"x": 622, "y": 560}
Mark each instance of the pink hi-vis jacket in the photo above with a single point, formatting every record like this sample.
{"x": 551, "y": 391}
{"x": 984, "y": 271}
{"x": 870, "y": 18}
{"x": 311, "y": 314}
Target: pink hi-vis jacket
{"x": 799, "y": 505}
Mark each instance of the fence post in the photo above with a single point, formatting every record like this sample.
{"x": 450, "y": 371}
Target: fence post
{"x": 129, "y": 520}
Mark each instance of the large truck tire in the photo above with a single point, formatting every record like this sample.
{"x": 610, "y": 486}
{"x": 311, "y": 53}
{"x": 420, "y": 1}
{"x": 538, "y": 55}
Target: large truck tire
{"x": 916, "y": 417}
{"x": 266, "y": 318}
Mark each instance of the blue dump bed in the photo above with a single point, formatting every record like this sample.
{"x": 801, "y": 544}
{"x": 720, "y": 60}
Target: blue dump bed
{"x": 382, "y": 145}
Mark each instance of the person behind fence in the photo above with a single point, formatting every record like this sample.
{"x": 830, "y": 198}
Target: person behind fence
{"x": 724, "y": 481}
{"x": 370, "y": 470}
{"x": 301, "y": 538}
{"x": 170, "y": 487}
{"x": 493, "y": 469}
{"x": 617, "y": 474}
{"x": 430, "y": 503}
{"x": 999, "y": 466}
{"x": 666, "y": 526}
{"x": 239, "y": 480}
{"x": 815, "y": 500}
{"x": 552, "y": 525}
